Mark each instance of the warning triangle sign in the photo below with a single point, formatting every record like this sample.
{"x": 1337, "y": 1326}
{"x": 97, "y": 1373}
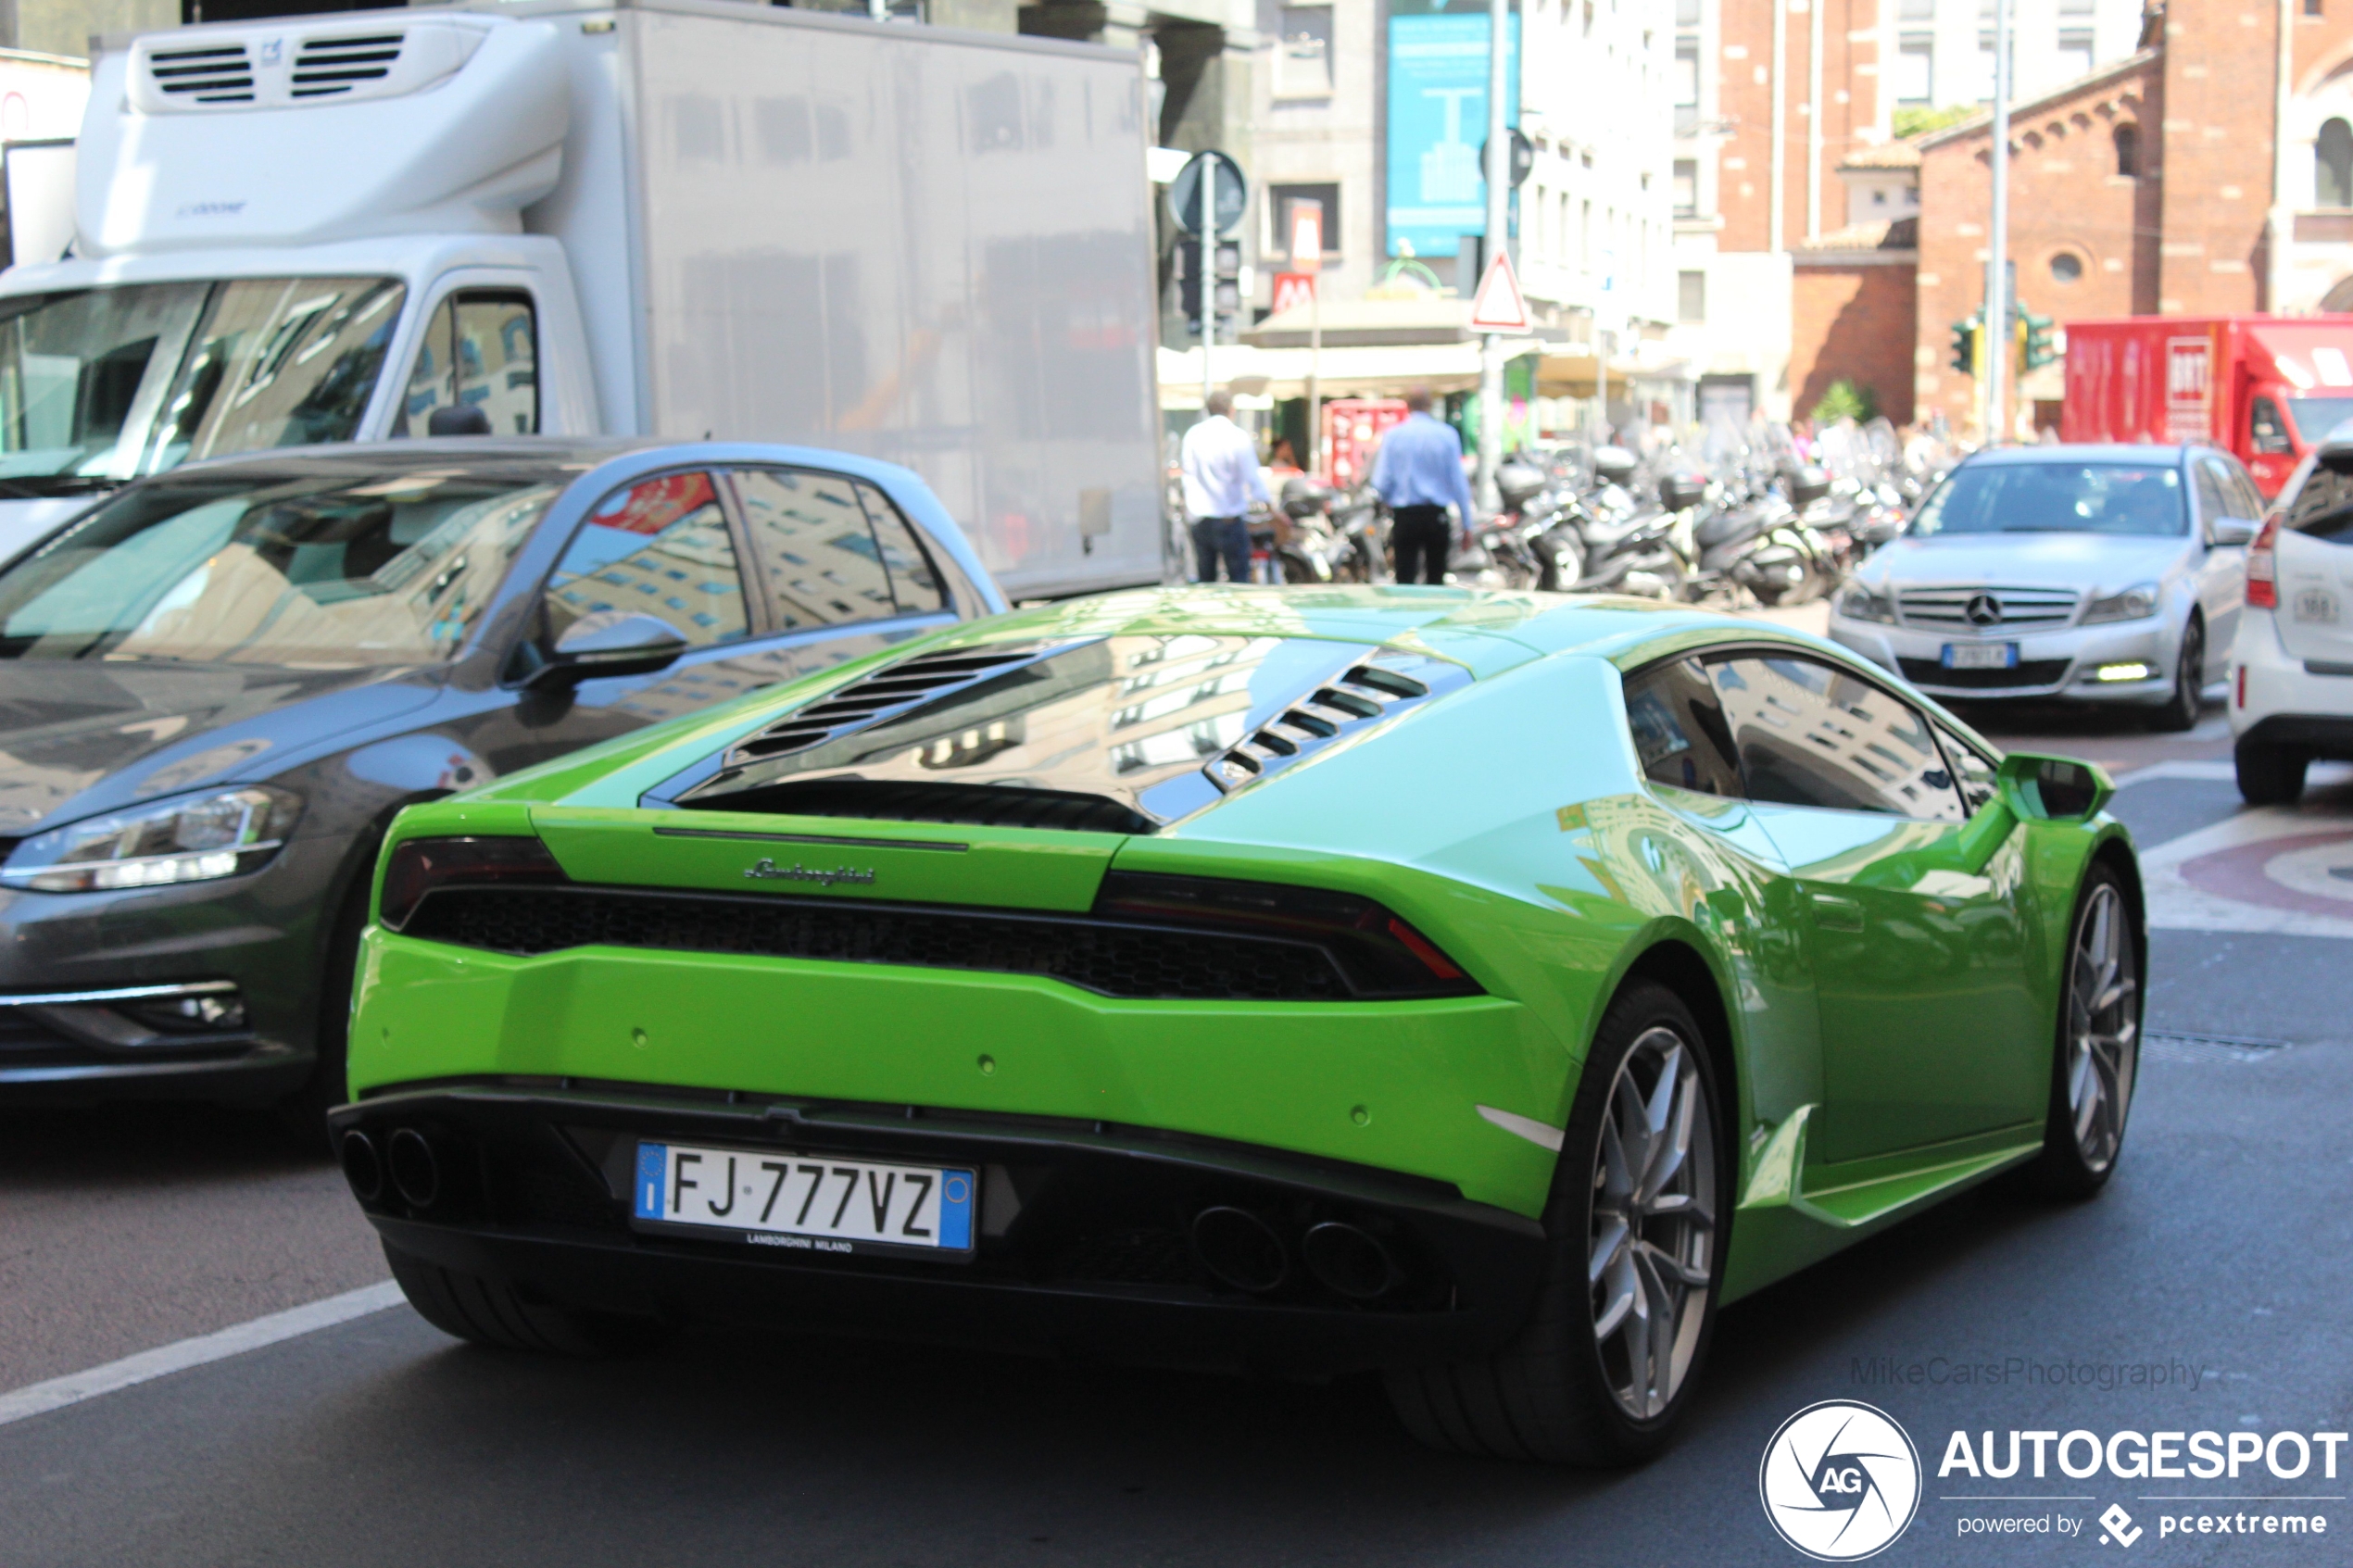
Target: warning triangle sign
{"x": 1499, "y": 306}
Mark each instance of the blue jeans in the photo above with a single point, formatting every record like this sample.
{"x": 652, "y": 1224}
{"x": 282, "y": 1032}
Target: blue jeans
{"x": 1221, "y": 537}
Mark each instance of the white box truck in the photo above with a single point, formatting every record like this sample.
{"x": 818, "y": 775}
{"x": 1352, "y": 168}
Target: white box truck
{"x": 675, "y": 217}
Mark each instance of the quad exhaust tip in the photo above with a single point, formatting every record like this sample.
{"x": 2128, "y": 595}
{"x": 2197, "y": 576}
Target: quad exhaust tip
{"x": 362, "y": 1166}
{"x": 416, "y": 1170}
{"x": 1241, "y": 1249}
{"x": 1349, "y": 1261}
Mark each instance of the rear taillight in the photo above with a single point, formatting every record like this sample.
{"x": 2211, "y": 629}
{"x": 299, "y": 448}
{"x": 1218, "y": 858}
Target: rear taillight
{"x": 421, "y": 865}
{"x": 2262, "y": 567}
{"x": 2241, "y": 685}
{"x": 1380, "y": 954}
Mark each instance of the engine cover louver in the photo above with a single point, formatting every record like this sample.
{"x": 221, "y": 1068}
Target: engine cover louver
{"x": 1371, "y": 693}
{"x": 218, "y": 74}
{"x": 327, "y": 66}
{"x": 880, "y": 696}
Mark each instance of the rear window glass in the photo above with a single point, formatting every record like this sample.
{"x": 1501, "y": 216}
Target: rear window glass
{"x": 2058, "y": 497}
{"x": 2323, "y": 507}
{"x": 2315, "y": 417}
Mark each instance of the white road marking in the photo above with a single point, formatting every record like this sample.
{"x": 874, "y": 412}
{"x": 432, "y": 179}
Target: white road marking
{"x": 2174, "y": 904}
{"x": 39, "y": 1399}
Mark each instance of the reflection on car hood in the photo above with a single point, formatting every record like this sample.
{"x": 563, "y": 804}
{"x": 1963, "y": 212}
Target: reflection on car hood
{"x": 2088, "y": 562}
{"x": 79, "y": 738}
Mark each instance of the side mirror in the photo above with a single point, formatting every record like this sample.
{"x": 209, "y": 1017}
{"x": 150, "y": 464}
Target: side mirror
{"x": 2230, "y": 531}
{"x": 595, "y": 647}
{"x": 2054, "y": 789}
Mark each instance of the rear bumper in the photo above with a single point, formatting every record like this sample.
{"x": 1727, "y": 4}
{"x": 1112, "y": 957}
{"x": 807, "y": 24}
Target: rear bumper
{"x": 1084, "y": 1247}
{"x": 2277, "y": 700}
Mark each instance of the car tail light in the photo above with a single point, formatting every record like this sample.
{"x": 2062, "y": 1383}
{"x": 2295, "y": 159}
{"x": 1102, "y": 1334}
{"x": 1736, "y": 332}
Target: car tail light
{"x": 421, "y": 865}
{"x": 1381, "y": 955}
{"x": 2262, "y": 567}
{"x": 2241, "y": 685}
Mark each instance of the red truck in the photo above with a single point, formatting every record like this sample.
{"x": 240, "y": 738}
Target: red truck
{"x": 2267, "y": 388}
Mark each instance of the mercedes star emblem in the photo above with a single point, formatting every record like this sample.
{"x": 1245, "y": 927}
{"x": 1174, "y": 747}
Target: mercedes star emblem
{"x": 1984, "y": 611}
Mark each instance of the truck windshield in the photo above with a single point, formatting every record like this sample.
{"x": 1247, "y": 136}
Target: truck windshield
{"x": 2315, "y": 417}
{"x": 2055, "y": 497}
{"x": 102, "y": 386}
{"x": 385, "y": 568}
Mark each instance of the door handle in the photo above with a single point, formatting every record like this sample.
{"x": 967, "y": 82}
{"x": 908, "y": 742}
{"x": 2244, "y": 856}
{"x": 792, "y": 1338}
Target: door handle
{"x": 1834, "y": 914}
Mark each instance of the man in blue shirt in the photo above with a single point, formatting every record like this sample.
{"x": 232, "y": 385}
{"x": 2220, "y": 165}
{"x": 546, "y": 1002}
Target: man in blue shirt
{"x": 1419, "y": 473}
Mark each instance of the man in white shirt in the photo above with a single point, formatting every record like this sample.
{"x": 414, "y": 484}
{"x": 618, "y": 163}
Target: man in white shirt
{"x": 1220, "y": 463}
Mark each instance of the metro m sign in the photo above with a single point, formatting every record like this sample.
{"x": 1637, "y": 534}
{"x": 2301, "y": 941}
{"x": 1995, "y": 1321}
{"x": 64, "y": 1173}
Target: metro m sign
{"x": 1292, "y": 288}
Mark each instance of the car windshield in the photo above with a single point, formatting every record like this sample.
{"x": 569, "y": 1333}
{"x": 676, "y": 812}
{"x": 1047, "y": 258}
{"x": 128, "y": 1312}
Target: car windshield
{"x": 2057, "y": 497}
{"x": 102, "y": 386}
{"x": 368, "y": 569}
{"x": 2315, "y": 417}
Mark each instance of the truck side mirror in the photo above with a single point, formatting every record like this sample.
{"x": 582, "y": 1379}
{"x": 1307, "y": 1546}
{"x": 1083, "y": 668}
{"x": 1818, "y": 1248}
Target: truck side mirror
{"x": 631, "y": 645}
{"x": 2229, "y": 533}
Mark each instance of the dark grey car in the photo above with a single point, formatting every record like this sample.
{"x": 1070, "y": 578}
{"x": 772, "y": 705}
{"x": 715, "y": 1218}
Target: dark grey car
{"x": 219, "y": 687}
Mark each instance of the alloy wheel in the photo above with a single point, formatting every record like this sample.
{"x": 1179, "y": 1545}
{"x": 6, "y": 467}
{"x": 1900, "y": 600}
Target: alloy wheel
{"x": 2103, "y": 1028}
{"x": 1650, "y": 1244}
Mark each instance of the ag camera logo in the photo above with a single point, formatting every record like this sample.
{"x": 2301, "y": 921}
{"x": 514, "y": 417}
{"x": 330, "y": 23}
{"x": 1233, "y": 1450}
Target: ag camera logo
{"x": 1840, "y": 1480}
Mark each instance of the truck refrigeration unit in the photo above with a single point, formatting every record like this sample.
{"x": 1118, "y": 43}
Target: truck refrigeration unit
{"x": 2267, "y": 388}
{"x": 673, "y": 218}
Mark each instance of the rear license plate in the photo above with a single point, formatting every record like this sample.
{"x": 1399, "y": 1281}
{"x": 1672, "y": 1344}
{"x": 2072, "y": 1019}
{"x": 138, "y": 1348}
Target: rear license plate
{"x": 1981, "y": 656}
{"x": 2316, "y": 605}
{"x": 807, "y": 1203}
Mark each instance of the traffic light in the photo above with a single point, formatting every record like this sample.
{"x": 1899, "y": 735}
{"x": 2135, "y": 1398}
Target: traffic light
{"x": 1965, "y": 343}
{"x": 1226, "y": 266}
{"x": 2035, "y": 347}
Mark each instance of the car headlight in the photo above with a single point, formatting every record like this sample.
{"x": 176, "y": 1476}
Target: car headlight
{"x": 195, "y": 838}
{"x": 1859, "y": 603}
{"x": 2134, "y": 603}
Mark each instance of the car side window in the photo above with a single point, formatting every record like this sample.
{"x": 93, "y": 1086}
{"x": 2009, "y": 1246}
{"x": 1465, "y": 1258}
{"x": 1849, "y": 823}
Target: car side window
{"x": 2266, "y": 431}
{"x": 1811, "y": 735}
{"x": 480, "y": 349}
{"x": 2249, "y": 500}
{"x": 1679, "y": 729}
{"x": 1972, "y": 772}
{"x": 2213, "y": 492}
{"x": 914, "y": 582}
{"x": 658, "y": 547}
{"x": 815, "y": 547}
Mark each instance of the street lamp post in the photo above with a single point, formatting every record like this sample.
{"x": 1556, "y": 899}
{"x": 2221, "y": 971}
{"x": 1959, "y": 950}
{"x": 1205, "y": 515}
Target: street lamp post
{"x": 1997, "y": 300}
{"x": 1499, "y": 190}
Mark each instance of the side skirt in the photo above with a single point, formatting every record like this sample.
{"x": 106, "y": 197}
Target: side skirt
{"x": 1788, "y": 1218}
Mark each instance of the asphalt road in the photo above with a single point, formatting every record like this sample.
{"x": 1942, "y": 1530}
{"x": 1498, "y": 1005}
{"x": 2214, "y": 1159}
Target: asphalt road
{"x": 2217, "y": 1264}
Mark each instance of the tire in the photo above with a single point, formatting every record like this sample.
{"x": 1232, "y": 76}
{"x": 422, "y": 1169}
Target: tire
{"x": 494, "y": 1313}
{"x": 1565, "y": 1390}
{"x": 2270, "y": 775}
{"x": 2181, "y": 711}
{"x": 304, "y": 1112}
{"x": 2096, "y": 1059}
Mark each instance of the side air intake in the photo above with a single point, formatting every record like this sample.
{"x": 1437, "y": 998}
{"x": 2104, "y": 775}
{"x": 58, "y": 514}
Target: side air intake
{"x": 1376, "y": 690}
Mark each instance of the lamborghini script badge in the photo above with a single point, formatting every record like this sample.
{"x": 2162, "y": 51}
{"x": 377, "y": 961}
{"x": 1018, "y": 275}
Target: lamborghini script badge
{"x": 769, "y": 870}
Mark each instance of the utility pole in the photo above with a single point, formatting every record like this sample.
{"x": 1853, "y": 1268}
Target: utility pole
{"x": 1499, "y": 195}
{"x": 1208, "y": 277}
{"x": 1998, "y": 351}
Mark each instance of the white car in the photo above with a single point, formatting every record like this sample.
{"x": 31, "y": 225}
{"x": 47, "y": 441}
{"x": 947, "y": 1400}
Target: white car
{"x": 2105, "y": 574}
{"x": 2292, "y": 665}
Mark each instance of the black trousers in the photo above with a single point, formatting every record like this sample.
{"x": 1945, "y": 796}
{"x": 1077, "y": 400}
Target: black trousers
{"x": 1420, "y": 536}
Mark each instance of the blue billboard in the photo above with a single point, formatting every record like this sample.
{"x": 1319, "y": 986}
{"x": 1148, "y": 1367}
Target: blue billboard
{"x": 1438, "y": 120}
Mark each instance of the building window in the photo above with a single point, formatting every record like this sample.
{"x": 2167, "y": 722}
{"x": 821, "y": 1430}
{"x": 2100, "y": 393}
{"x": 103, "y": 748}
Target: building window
{"x": 1303, "y": 53}
{"x": 1686, "y": 187}
{"x": 2074, "y": 8}
{"x": 1280, "y": 199}
{"x": 1916, "y": 72}
{"x": 2333, "y": 157}
{"x": 2128, "y": 151}
{"x": 1690, "y": 296}
{"x": 1686, "y": 12}
{"x": 1686, "y": 85}
{"x": 2066, "y": 267}
{"x": 2075, "y": 54}
{"x": 1917, "y": 10}
{"x": 2313, "y": 8}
